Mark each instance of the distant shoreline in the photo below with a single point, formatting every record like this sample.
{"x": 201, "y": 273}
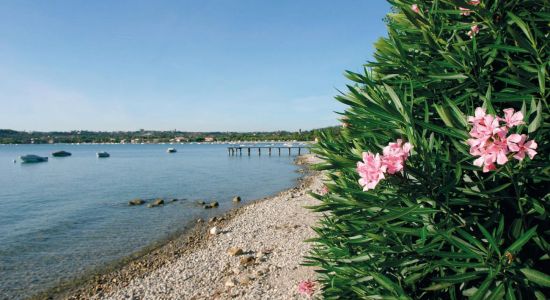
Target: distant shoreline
{"x": 184, "y": 143}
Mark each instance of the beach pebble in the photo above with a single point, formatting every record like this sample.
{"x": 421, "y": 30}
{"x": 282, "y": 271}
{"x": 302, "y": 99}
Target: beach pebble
{"x": 234, "y": 251}
{"x": 244, "y": 279}
{"x": 230, "y": 282}
{"x": 247, "y": 260}
{"x": 214, "y": 230}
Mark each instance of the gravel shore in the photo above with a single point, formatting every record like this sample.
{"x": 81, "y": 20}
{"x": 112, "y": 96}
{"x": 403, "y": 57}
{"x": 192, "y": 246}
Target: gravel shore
{"x": 254, "y": 252}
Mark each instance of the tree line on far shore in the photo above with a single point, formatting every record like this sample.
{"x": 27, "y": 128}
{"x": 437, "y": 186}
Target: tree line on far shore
{"x": 8, "y": 136}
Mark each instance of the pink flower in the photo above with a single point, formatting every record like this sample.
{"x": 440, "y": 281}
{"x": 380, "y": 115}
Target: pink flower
{"x": 474, "y": 2}
{"x": 486, "y": 127}
{"x": 512, "y": 118}
{"x": 415, "y": 8}
{"x": 464, "y": 11}
{"x": 371, "y": 170}
{"x": 324, "y": 190}
{"x": 479, "y": 114}
{"x": 473, "y": 31}
{"x": 395, "y": 155}
{"x": 306, "y": 287}
{"x": 516, "y": 143}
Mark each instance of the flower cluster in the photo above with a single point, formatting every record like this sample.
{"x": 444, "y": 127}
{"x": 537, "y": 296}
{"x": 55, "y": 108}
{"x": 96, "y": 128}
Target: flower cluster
{"x": 474, "y": 29}
{"x": 491, "y": 142}
{"x": 373, "y": 167}
{"x": 306, "y": 287}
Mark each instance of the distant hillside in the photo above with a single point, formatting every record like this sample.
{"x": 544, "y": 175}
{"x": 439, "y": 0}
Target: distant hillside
{"x": 8, "y": 136}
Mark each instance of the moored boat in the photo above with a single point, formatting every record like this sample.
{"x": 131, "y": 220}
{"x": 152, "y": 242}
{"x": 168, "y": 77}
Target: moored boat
{"x": 61, "y": 154}
{"x": 171, "y": 150}
{"x": 31, "y": 158}
{"x": 103, "y": 154}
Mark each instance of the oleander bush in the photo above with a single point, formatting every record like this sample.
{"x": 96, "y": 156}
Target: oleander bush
{"x": 439, "y": 183}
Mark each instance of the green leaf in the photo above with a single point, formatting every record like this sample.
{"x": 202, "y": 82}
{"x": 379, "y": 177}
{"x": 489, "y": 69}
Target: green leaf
{"x": 523, "y": 26}
{"x": 449, "y": 76}
{"x": 460, "y": 278}
{"x": 438, "y": 286}
{"x": 489, "y": 238}
{"x": 516, "y": 246}
{"x": 387, "y": 283}
{"x": 536, "y": 276}
{"x": 535, "y": 124}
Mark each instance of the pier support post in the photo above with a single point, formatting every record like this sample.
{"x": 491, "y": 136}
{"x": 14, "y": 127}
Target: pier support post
{"x": 299, "y": 150}
{"x": 279, "y": 151}
{"x": 248, "y": 151}
{"x": 288, "y": 151}
{"x": 269, "y": 151}
{"x": 259, "y": 151}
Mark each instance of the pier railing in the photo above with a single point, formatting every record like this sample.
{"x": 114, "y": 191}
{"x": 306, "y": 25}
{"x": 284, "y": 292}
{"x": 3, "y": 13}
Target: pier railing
{"x": 238, "y": 150}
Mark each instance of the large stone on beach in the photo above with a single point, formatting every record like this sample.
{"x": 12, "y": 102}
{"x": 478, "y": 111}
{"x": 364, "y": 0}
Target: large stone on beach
{"x": 214, "y": 230}
{"x": 136, "y": 202}
{"x": 247, "y": 260}
{"x": 237, "y": 199}
{"x": 234, "y": 251}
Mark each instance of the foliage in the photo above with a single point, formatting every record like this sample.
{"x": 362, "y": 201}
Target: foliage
{"x": 442, "y": 228}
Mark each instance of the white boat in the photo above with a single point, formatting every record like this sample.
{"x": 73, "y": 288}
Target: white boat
{"x": 171, "y": 150}
{"x": 31, "y": 158}
{"x": 103, "y": 154}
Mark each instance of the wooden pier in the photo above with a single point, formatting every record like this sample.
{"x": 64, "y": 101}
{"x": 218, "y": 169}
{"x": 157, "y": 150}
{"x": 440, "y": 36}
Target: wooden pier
{"x": 238, "y": 150}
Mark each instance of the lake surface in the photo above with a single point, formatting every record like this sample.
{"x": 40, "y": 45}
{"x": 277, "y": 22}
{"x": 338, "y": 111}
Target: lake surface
{"x": 70, "y": 215}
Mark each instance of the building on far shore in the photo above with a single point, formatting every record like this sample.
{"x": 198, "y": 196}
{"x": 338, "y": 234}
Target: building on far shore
{"x": 209, "y": 139}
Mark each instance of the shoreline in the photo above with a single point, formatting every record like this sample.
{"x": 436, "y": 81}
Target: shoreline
{"x": 99, "y": 282}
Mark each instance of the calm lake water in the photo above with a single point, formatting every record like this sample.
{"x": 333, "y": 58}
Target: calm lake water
{"x": 70, "y": 215}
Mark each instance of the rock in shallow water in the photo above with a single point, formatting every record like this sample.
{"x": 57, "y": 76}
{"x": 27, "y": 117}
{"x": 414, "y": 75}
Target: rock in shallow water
{"x": 157, "y": 202}
{"x": 237, "y": 199}
{"x": 136, "y": 202}
{"x": 211, "y": 205}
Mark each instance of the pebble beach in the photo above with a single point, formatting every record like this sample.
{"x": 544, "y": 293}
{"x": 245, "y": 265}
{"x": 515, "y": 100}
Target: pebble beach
{"x": 253, "y": 252}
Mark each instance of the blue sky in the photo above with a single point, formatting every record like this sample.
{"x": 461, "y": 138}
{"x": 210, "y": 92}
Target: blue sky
{"x": 224, "y": 65}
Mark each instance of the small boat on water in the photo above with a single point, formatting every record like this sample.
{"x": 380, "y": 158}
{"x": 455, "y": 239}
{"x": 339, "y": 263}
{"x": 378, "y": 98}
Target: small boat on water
{"x": 31, "y": 158}
{"x": 103, "y": 154}
{"x": 61, "y": 154}
{"x": 171, "y": 150}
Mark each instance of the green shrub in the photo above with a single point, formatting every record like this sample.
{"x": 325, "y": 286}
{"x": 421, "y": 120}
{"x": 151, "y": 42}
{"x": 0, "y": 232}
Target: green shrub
{"x": 441, "y": 228}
